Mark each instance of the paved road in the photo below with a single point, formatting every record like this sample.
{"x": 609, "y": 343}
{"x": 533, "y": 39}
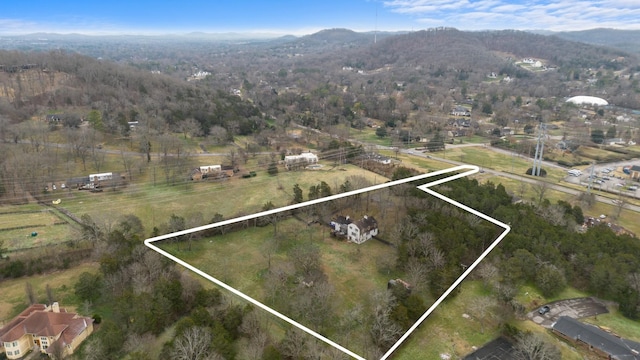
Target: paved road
{"x": 521, "y": 178}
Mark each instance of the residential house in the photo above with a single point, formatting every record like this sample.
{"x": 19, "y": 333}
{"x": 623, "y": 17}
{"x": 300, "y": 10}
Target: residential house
{"x": 47, "y": 329}
{"x": 195, "y": 174}
{"x": 615, "y": 141}
{"x": 362, "y": 230}
{"x": 340, "y": 224}
{"x": 100, "y": 177}
{"x": 210, "y": 169}
{"x": 212, "y": 172}
{"x": 54, "y": 118}
{"x": 460, "y": 123}
{"x": 595, "y": 339}
{"x": 377, "y": 158}
{"x": 293, "y": 162}
{"x": 460, "y": 132}
{"x": 460, "y": 111}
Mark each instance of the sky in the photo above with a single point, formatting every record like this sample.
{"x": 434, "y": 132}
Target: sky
{"x": 300, "y": 17}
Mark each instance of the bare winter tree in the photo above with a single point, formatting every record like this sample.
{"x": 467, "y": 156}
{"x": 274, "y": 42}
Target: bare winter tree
{"x": 137, "y": 343}
{"x": 554, "y": 214}
{"x": 193, "y": 344}
{"x": 384, "y": 331}
{"x": 530, "y": 346}
{"x": 488, "y": 273}
{"x": 57, "y": 350}
{"x": 94, "y": 350}
{"x": 540, "y": 189}
{"x": 50, "y": 297}
{"x": 620, "y": 203}
{"x": 482, "y": 309}
{"x": 29, "y": 292}
{"x": 294, "y": 344}
{"x": 258, "y": 338}
{"x": 437, "y": 258}
{"x": 417, "y": 272}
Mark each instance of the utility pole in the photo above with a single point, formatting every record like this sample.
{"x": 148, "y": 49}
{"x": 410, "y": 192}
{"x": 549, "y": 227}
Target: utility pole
{"x": 537, "y": 159}
{"x": 591, "y": 176}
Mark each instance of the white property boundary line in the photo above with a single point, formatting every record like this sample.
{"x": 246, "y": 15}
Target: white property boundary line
{"x": 471, "y": 169}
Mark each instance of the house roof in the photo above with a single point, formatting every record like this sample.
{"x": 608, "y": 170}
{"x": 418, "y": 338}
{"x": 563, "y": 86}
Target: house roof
{"x": 18, "y": 319}
{"x": 617, "y": 348}
{"x": 75, "y": 327}
{"x": 40, "y": 321}
{"x": 367, "y": 223}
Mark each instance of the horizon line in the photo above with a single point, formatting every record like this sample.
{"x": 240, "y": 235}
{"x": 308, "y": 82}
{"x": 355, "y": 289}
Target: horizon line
{"x": 267, "y": 33}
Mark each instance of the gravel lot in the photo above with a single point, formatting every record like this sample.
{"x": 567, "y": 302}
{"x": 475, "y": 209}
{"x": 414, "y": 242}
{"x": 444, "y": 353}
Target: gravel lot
{"x": 575, "y": 308}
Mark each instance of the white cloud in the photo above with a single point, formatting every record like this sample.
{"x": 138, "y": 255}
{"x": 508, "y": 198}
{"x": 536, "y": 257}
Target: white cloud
{"x": 536, "y": 14}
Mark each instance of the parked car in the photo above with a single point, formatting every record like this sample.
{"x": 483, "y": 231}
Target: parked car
{"x": 633, "y": 188}
{"x": 543, "y": 310}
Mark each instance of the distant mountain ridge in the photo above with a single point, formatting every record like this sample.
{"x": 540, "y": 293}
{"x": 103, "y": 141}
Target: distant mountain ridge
{"x": 626, "y": 40}
{"x": 449, "y": 47}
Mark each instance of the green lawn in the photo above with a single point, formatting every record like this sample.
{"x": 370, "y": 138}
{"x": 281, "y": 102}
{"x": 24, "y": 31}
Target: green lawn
{"x": 446, "y": 331}
{"x": 239, "y": 259}
{"x": 154, "y": 204}
{"x": 17, "y": 223}
{"x": 14, "y": 298}
{"x": 617, "y": 324}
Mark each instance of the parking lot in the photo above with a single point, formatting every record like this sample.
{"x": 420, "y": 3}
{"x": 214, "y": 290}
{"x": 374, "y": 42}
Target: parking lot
{"x": 574, "y": 308}
{"x": 608, "y": 177}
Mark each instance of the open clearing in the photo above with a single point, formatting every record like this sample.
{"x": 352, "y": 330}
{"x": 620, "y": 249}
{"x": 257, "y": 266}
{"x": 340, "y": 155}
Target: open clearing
{"x": 14, "y": 298}
{"x": 154, "y": 204}
{"x": 240, "y": 260}
{"x": 17, "y": 223}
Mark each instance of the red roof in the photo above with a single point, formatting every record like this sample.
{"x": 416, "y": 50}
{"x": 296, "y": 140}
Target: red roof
{"x": 39, "y": 322}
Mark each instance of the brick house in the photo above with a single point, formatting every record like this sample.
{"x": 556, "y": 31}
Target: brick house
{"x": 47, "y": 329}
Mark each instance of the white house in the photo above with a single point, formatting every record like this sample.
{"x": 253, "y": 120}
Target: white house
{"x": 302, "y": 160}
{"x": 362, "y": 230}
{"x": 210, "y": 168}
{"x": 100, "y": 177}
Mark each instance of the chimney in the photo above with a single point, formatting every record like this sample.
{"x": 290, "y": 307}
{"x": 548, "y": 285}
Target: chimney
{"x": 55, "y": 307}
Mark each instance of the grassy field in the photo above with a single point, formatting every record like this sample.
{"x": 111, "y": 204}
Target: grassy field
{"x": 17, "y": 223}
{"x": 617, "y": 324}
{"x": 239, "y": 259}
{"x": 154, "y": 204}
{"x": 446, "y": 331}
{"x": 14, "y": 298}
{"x": 484, "y": 157}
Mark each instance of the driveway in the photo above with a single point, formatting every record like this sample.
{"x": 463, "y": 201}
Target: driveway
{"x": 574, "y": 308}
